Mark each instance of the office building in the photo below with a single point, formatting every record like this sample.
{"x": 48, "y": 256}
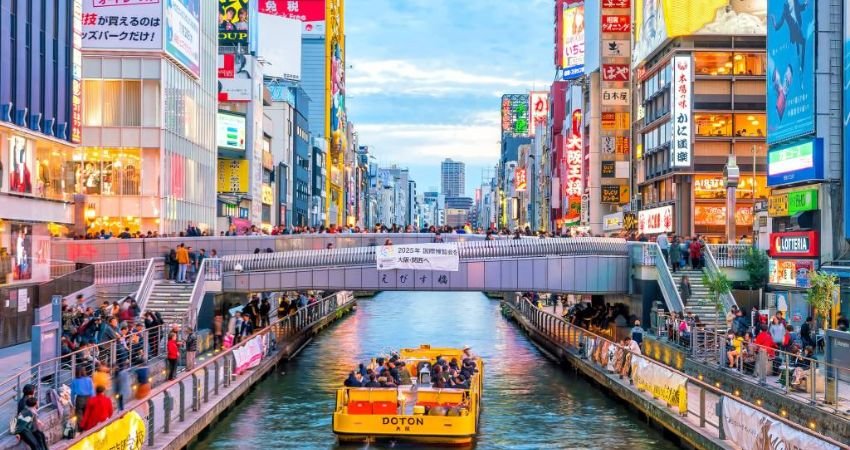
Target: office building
{"x": 452, "y": 178}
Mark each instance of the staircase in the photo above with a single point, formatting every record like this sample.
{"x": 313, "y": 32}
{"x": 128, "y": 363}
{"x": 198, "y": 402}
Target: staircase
{"x": 700, "y": 303}
{"x": 171, "y": 300}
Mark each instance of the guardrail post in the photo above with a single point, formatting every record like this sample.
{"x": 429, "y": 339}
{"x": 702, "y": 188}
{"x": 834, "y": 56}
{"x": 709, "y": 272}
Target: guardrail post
{"x": 702, "y": 407}
{"x": 145, "y": 344}
{"x": 151, "y": 422}
{"x": 112, "y": 349}
{"x": 215, "y": 377}
{"x": 196, "y": 393}
{"x": 813, "y": 377}
{"x": 167, "y": 406}
{"x": 721, "y": 433}
{"x": 182, "y": 403}
{"x": 762, "y": 366}
{"x": 206, "y": 385}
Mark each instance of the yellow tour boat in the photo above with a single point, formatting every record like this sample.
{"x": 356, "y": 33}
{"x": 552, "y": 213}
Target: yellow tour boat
{"x": 415, "y": 412}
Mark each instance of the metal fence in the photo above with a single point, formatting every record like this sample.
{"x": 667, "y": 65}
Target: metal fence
{"x": 137, "y": 349}
{"x": 168, "y": 404}
{"x": 729, "y": 255}
{"x": 115, "y": 272}
{"x": 66, "y": 284}
{"x": 579, "y": 341}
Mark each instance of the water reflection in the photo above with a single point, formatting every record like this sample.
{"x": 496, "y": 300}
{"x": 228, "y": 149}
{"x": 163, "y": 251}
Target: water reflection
{"x": 529, "y": 402}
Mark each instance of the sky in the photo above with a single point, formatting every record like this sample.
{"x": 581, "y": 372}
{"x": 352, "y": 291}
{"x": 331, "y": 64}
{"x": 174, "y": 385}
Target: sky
{"x": 425, "y": 77}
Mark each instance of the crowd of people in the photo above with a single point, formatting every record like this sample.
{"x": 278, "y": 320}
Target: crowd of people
{"x": 183, "y": 262}
{"x": 391, "y": 372}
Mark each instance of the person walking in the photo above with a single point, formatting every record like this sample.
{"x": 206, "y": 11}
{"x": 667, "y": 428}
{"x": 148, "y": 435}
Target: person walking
{"x": 182, "y": 263}
{"x": 675, "y": 253}
{"x": 82, "y": 388}
{"x": 685, "y": 289}
{"x": 265, "y": 310}
{"x": 218, "y": 326}
{"x": 98, "y": 409}
{"x": 172, "y": 353}
{"x": 191, "y": 348}
{"x": 664, "y": 244}
{"x": 695, "y": 251}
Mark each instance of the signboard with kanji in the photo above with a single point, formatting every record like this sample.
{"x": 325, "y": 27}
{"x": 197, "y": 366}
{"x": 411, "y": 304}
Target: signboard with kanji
{"x": 616, "y": 23}
{"x": 681, "y": 112}
{"x": 120, "y": 24}
{"x": 616, "y": 72}
{"x": 515, "y": 114}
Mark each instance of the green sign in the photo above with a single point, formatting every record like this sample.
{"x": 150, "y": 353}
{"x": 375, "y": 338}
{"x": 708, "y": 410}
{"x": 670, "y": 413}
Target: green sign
{"x": 799, "y": 201}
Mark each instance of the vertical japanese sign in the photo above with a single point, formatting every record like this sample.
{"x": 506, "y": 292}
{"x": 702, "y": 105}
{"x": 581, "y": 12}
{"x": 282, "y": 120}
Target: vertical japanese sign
{"x": 77, "y": 74}
{"x": 538, "y": 110}
{"x": 520, "y": 179}
{"x": 681, "y": 98}
{"x": 616, "y": 100}
{"x": 573, "y": 188}
{"x": 572, "y": 40}
{"x": 515, "y": 114}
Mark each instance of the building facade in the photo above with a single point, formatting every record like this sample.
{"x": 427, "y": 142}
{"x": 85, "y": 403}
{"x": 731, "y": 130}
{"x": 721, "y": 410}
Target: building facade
{"x": 452, "y": 178}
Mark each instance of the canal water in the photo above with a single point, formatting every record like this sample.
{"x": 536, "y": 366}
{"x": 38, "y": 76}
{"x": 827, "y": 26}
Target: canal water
{"x": 529, "y": 402}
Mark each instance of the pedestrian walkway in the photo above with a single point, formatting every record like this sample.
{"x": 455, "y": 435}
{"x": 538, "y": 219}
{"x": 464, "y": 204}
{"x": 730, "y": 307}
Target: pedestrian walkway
{"x": 14, "y": 359}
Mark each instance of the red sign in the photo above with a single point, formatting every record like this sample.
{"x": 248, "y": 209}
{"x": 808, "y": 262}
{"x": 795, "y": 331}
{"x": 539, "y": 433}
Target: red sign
{"x": 616, "y": 72}
{"x": 621, "y": 4}
{"x": 572, "y": 184}
{"x": 520, "y": 179}
{"x": 794, "y": 244}
{"x": 616, "y": 24}
{"x": 303, "y": 10}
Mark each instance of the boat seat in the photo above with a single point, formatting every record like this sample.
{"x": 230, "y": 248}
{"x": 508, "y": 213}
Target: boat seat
{"x": 384, "y": 408}
{"x": 359, "y": 407}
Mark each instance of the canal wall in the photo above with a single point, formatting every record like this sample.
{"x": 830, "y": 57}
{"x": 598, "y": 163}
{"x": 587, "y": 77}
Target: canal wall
{"x": 770, "y": 398}
{"x": 657, "y": 413}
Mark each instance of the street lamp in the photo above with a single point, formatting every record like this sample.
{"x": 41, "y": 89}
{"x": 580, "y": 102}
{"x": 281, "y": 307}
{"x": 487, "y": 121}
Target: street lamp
{"x": 731, "y": 176}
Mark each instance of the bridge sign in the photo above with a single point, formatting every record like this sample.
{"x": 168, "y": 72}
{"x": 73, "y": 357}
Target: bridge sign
{"x": 443, "y": 257}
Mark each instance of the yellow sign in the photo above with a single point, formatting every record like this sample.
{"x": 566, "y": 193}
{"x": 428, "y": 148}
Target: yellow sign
{"x": 777, "y": 205}
{"x": 233, "y": 175}
{"x": 660, "y": 382}
{"x": 267, "y": 195}
{"x": 126, "y": 433}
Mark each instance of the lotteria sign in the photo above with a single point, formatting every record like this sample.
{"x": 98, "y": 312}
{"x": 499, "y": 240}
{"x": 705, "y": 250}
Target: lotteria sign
{"x": 795, "y": 163}
{"x": 794, "y": 244}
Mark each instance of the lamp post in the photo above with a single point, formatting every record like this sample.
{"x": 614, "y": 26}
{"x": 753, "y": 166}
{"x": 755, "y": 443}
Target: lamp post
{"x": 731, "y": 176}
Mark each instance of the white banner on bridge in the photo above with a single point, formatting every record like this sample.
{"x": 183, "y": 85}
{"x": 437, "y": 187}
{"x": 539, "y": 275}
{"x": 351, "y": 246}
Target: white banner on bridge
{"x": 443, "y": 257}
{"x": 751, "y": 429}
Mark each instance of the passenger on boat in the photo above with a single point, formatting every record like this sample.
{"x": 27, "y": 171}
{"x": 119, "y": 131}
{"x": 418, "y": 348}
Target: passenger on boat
{"x": 362, "y": 370}
{"x": 373, "y": 382}
{"x": 354, "y": 379}
{"x": 386, "y": 382}
{"x": 467, "y": 352}
{"x": 404, "y": 374}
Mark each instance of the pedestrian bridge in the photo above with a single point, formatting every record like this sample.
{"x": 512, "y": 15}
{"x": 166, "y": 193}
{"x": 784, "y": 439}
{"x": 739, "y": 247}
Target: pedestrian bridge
{"x": 577, "y": 266}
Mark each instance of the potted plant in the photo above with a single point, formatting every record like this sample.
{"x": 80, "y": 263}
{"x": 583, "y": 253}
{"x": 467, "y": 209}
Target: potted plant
{"x": 820, "y": 298}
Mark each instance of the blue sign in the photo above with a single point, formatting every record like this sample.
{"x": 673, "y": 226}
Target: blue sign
{"x": 570, "y": 73}
{"x": 795, "y": 163}
{"x": 790, "y": 69}
{"x": 183, "y": 33}
{"x": 846, "y": 118}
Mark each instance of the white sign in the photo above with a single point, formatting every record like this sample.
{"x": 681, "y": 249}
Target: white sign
{"x": 230, "y": 133}
{"x": 748, "y": 428}
{"x": 131, "y": 24}
{"x": 538, "y": 110}
{"x": 680, "y": 152}
{"x": 615, "y": 48}
{"x": 656, "y": 220}
{"x": 443, "y": 257}
{"x": 183, "y": 33}
{"x": 616, "y": 97}
{"x": 612, "y": 222}
{"x": 249, "y": 355}
{"x": 234, "y": 78}
{"x": 23, "y": 300}
{"x": 621, "y": 169}
{"x": 280, "y": 47}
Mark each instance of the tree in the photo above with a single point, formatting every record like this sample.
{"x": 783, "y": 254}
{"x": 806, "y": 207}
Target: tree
{"x": 756, "y": 263}
{"x": 820, "y": 298}
{"x": 717, "y": 285}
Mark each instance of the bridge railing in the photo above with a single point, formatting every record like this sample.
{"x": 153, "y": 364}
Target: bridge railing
{"x": 153, "y": 272}
{"x": 729, "y": 255}
{"x": 466, "y": 250}
{"x": 649, "y": 254}
{"x": 210, "y": 270}
{"x": 585, "y": 344}
{"x": 113, "y": 272}
{"x": 169, "y": 403}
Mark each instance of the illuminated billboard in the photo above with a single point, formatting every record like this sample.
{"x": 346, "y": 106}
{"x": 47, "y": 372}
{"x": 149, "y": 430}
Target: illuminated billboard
{"x": 122, "y": 25}
{"x": 680, "y": 154}
{"x": 311, "y": 13}
{"x": 233, "y": 23}
{"x": 658, "y": 20}
{"x": 230, "y": 131}
{"x": 538, "y": 110}
{"x": 235, "y": 83}
{"x": 233, "y": 175}
{"x": 795, "y": 163}
{"x": 572, "y": 30}
{"x": 515, "y": 114}
{"x": 183, "y": 33}
{"x": 790, "y": 72}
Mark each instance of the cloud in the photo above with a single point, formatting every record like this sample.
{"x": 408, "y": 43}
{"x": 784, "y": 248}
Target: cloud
{"x": 420, "y": 144}
{"x": 398, "y": 77}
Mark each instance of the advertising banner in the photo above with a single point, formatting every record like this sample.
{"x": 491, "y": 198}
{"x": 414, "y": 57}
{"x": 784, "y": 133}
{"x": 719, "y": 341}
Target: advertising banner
{"x": 612, "y": 222}
{"x": 125, "y": 433}
{"x": 616, "y": 97}
{"x": 661, "y": 382}
{"x": 76, "y": 119}
{"x": 616, "y": 48}
{"x": 230, "y": 131}
{"x": 249, "y": 355}
{"x": 233, "y": 23}
{"x": 520, "y": 179}
{"x": 795, "y": 163}
{"x": 234, "y": 78}
{"x": 794, "y": 244}
{"x": 616, "y": 72}
{"x": 791, "y": 203}
{"x": 609, "y": 169}
{"x": 681, "y": 111}
{"x": 709, "y": 215}
{"x": 655, "y": 220}
{"x": 616, "y": 24}
{"x": 122, "y": 25}
{"x": 311, "y": 13}
{"x": 443, "y": 257}
{"x": 20, "y": 166}
{"x": 790, "y": 272}
{"x": 538, "y": 110}
{"x": 615, "y": 121}
{"x": 573, "y": 40}
{"x": 790, "y": 70}
{"x": 281, "y": 47}
{"x": 657, "y": 20}
{"x": 615, "y": 194}
{"x": 183, "y": 33}
{"x": 749, "y": 428}
{"x": 233, "y": 176}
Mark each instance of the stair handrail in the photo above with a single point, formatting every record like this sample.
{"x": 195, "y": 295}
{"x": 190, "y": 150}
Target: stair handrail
{"x": 651, "y": 251}
{"x": 210, "y": 270}
{"x": 712, "y": 269}
{"x": 145, "y": 288}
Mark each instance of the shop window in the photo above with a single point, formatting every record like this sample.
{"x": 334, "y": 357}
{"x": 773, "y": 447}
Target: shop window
{"x": 93, "y": 103}
{"x": 713, "y": 125}
{"x": 713, "y": 63}
{"x": 749, "y": 64}
{"x": 52, "y": 178}
{"x": 749, "y": 125}
{"x": 115, "y": 103}
{"x": 102, "y": 171}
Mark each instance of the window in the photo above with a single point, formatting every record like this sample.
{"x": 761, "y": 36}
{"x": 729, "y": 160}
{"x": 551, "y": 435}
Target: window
{"x": 713, "y": 63}
{"x": 116, "y": 103}
{"x": 711, "y": 125}
{"x": 93, "y": 103}
{"x": 750, "y": 64}
{"x": 749, "y": 125}
{"x": 105, "y": 171}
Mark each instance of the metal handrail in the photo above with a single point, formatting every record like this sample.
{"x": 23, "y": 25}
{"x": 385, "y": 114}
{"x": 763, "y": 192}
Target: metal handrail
{"x": 218, "y": 372}
{"x": 570, "y": 335}
{"x": 210, "y": 270}
{"x": 146, "y": 285}
{"x": 650, "y": 254}
{"x": 712, "y": 270}
{"x": 729, "y": 255}
{"x": 120, "y": 271}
